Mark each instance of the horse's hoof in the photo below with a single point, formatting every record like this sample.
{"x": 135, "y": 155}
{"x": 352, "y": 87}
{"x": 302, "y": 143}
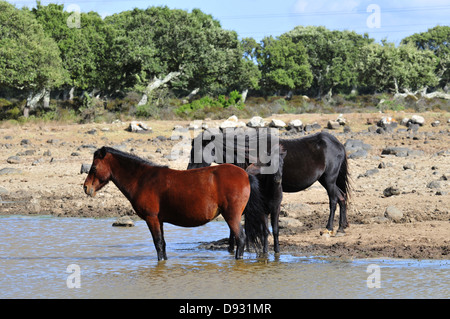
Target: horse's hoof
{"x": 326, "y": 233}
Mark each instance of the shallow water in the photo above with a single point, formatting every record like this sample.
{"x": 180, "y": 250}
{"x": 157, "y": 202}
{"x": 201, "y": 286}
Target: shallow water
{"x": 46, "y": 257}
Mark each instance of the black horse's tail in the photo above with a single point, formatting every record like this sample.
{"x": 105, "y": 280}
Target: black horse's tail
{"x": 256, "y": 228}
{"x": 343, "y": 180}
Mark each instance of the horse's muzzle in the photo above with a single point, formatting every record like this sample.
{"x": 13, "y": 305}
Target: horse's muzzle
{"x": 89, "y": 190}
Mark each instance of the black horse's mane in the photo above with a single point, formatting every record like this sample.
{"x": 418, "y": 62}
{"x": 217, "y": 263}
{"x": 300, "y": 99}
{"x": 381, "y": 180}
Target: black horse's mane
{"x": 100, "y": 153}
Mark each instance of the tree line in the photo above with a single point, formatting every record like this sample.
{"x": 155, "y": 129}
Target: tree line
{"x": 48, "y": 52}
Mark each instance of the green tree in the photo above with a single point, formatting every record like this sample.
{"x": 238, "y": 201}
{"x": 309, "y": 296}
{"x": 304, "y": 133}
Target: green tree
{"x": 436, "y": 40}
{"x": 186, "y": 51}
{"x": 29, "y": 59}
{"x": 386, "y": 67}
{"x": 284, "y": 64}
{"x": 332, "y": 56}
{"x": 83, "y": 49}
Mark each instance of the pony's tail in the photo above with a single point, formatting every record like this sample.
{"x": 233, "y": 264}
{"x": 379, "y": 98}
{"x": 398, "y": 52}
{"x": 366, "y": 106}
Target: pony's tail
{"x": 255, "y": 216}
{"x": 343, "y": 180}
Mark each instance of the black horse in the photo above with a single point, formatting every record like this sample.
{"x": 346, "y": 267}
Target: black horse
{"x": 319, "y": 157}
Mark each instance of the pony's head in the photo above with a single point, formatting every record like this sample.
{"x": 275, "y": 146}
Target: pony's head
{"x": 256, "y": 168}
{"x": 99, "y": 174}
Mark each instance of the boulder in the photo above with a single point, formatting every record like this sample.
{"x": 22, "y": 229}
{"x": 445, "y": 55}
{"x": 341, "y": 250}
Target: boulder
{"x": 232, "y": 122}
{"x": 277, "y": 123}
{"x": 138, "y": 127}
{"x": 256, "y": 121}
{"x": 13, "y": 160}
{"x": 124, "y": 221}
{"x": 393, "y": 213}
{"x": 297, "y": 124}
{"x": 85, "y": 168}
{"x": 391, "y": 191}
{"x": 333, "y": 125}
{"x": 417, "y": 119}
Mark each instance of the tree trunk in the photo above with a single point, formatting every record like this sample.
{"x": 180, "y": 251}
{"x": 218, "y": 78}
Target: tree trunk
{"x": 155, "y": 84}
{"x": 32, "y": 101}
{"x": 244, "y": 95}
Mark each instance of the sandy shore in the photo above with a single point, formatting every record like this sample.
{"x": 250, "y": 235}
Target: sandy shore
{"x": 40, "y": 174}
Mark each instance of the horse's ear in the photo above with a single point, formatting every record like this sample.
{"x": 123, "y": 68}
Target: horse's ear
{"x": 100, "y": 153}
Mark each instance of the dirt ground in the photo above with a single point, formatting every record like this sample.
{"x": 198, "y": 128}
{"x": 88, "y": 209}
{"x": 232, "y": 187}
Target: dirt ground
{"x": 40, "y": 174}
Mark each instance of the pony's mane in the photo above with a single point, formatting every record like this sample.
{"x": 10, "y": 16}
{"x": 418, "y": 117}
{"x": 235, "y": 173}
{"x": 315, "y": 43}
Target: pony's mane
{"x": 105, "y": 149}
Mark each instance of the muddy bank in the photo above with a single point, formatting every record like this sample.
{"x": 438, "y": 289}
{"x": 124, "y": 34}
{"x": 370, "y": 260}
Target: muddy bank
{"x": 399, "y": 205}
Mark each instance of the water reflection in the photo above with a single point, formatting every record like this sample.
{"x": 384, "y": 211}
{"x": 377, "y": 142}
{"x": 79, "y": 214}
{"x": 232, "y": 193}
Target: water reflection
{"x": 121, "y": 263}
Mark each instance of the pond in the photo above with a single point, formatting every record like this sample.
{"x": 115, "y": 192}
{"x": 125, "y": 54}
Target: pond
{"x": 47, "y": 257}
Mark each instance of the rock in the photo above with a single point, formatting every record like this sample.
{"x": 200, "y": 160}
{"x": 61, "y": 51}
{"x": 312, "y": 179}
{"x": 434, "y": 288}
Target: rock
{"x": 13, "y": 160}
{"x": 3, "y": 191}
{"x": 333, "y": 125}
{"x": 409, "y": 166}
{"x": 434, "y": 184}
{"x": 312, "y": 127}
{"x": 356, "y": 148}
{"x": 25, "y": 142}
{"x": 369, "y": 172}
{"x": 124, "y": 221}
{"x": 391, "y": 191}
{"x": 92, "y": 132}
{"x": 85, "y": 168}
{"x": 435, "y": 123}
{"x": 397, "y": 151}
{"x": 138, "y": 127}
{"x": 232, "y": 122}
{"x": 256, "y": 121}
{"x": 393, "y": 213}
{"x": 277, "y": 123}
{"x": 417, "y": 119}
{"x": 8, "y": 170}
{"x": 341, "y": 120}
{"x": 297, "y": 124}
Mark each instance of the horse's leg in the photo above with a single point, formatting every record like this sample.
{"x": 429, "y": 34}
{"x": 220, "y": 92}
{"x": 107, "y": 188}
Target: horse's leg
{"x": 343, "y": 223}
{"x": 266, "y": 237}
{"x": 156, "y": 229}
{"x": 231, "y": 242}
{"x": 274, "y": 218}
{"x": 332, "y": 191}
{"x": 238, "y": 233}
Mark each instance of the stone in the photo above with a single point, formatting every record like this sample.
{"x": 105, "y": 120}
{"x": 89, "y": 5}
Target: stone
{"x": 393, "y": 213}
{"x": 409, "y": 166}
{"x": 124, "y": 221}
{"x": 8, "y": 170}
{"x": 256, "y": 121}
{"x": 138, "y": 127}
{"x": 391, "y": 191}
{"x": 13, "y": 160}
{"x": 232, "y": 122}
{"x": 333, "y": 125}
{"x": 434, "y": 184}
{"x": 298, "y": 124}
{"x": 289, "y": 222}
{"x": 85, "y": 168}
{"x": 277, "y": 123}
{"x": 417, "y": 119}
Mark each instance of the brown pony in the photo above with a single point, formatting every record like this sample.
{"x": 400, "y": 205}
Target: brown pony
{"x": 183, "y": 198}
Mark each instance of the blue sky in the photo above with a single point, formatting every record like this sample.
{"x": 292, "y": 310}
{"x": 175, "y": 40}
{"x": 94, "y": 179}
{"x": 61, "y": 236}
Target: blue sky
{"x": 392, "y": 19}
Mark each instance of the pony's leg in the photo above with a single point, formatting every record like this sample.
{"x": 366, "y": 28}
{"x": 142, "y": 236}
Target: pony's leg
{"x": 332, "y": 191}
{"x": 343, "y": 223}
{"x": 238, "y": 233}
{"x": 156, "y": 229}
{"x": 274, "y": 218}
{"x": 266, "y": 236}
{"x": 231, "y": 242}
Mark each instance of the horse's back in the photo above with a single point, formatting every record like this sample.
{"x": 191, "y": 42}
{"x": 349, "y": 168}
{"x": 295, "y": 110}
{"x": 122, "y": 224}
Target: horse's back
{"x": 308, "y": 158}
